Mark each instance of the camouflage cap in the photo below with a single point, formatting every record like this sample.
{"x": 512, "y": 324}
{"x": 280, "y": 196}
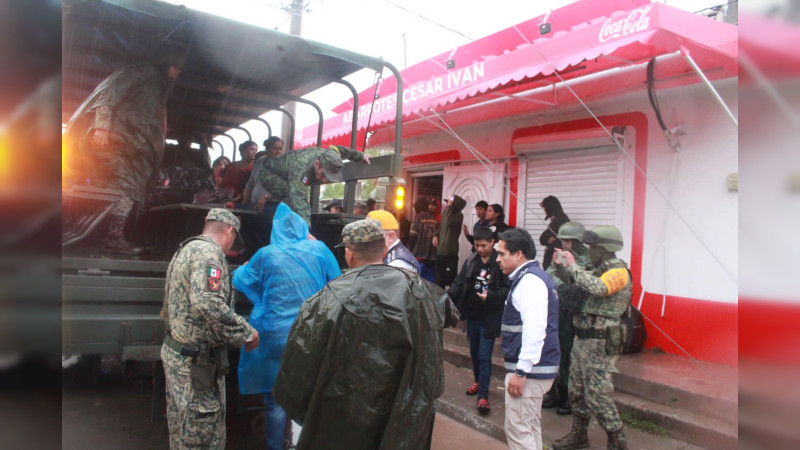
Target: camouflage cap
{"x": 332, "y": 164}
{"x": 228, "y": 218}
{"x": 366, "y": 230}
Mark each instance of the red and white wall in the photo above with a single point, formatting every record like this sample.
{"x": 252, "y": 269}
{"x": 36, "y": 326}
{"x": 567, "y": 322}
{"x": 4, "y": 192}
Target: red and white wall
{"x": 684, "y": 256}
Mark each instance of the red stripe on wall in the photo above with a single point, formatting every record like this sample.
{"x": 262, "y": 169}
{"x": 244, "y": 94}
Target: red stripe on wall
{"x": 770, "y": 331}
{"x": 707, "y": 330}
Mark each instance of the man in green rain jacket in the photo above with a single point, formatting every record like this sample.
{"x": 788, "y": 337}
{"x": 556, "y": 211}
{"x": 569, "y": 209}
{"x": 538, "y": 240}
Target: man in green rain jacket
{"x": 362, "y": 366}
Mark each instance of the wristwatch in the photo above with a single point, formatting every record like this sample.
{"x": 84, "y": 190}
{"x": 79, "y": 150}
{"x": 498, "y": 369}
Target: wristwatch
{"x": 520, "y": 373}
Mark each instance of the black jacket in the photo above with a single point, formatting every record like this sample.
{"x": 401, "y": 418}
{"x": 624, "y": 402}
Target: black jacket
{"x": 499, "y": 287}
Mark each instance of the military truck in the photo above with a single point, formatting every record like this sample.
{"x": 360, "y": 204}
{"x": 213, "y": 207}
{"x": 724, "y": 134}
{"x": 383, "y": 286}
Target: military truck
{"x": 233, "y": 73}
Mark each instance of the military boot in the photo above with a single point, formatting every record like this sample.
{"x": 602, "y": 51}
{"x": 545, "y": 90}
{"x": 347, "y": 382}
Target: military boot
{"x": 578, "y": 436}
{"x": 616, "y": 440}
{"x": 115, "y": 241}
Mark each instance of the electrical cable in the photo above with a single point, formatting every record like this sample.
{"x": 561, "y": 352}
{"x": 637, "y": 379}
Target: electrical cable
{"x": 429, "y": 20}
{"x": 651, "y": 93}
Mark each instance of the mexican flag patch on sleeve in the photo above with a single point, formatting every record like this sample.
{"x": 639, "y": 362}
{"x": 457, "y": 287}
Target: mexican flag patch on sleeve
{"x": 214, "y": 275}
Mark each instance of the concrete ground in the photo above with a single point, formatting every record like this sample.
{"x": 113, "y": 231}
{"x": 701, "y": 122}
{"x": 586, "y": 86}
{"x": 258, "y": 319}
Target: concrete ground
{"x": 114, "y": 412}
{"x": 463, "y": 408}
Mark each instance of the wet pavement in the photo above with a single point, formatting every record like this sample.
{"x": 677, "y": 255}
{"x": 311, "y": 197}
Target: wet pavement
{"x": 113, "y": 411}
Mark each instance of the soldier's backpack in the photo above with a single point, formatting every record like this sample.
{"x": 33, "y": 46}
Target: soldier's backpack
{"x": 634, "y": 333}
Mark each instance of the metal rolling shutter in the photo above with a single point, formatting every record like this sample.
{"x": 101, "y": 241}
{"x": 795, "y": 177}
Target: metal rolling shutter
{"x": 587, "y": 181}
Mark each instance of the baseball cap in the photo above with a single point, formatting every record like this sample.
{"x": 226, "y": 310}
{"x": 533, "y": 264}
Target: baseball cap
{"x": 331, "y": 163}
{"x": 335, "y": 203}
{"x": 228, "y": 218}
{"x": 366, "y": 230}
{"x": 387, "y": 220}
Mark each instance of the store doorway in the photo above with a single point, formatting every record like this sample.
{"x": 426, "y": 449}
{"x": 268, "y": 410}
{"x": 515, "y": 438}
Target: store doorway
{"x": 427, "y": 187}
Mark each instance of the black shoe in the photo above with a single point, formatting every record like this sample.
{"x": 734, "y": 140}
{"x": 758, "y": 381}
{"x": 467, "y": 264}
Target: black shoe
{"x": 565, "y": 409}
{"x": 553, "y": 397}
{"x": 550, "y": 400}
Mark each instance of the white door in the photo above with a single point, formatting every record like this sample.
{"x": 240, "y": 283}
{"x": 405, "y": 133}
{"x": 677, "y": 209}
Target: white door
{"x": 473, "y": 182}
{"x": 587, "y": 182}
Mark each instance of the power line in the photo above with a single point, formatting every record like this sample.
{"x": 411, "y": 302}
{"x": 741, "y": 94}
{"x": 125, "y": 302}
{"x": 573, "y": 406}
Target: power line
{"x": 428, "y": 20}
{"x": 716, "y": 7}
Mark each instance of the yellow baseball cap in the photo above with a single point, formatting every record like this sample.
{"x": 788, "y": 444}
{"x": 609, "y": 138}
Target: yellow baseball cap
{"x": 387, "y": 220}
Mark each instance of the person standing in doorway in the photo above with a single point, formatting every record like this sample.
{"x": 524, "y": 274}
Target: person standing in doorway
{"x": 446, "y": 242}
{"x": 423, "y": 230}
{"x": 480, "y": 212}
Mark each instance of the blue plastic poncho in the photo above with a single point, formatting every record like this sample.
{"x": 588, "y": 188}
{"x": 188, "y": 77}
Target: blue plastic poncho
{"x": 277, "y": 280}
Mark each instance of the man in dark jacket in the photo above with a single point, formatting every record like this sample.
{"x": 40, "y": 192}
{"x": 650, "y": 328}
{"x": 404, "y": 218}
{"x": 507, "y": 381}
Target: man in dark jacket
{"x": 424, "y": 229}
{"x": 447, "y": 242}
{"x": 479, "y": 292}
{"x": 363, "y": 363}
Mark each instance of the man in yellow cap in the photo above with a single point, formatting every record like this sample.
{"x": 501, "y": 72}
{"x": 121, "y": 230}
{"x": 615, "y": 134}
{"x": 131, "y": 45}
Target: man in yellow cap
{"x": 396, "y": 254}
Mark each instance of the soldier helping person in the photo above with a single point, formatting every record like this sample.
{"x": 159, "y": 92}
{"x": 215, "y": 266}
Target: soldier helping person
{"x": 287, "y": 177}
{"x": 598, "y": 337}
{"x": 363, "y": 363}
{"x": 199, "y": 324}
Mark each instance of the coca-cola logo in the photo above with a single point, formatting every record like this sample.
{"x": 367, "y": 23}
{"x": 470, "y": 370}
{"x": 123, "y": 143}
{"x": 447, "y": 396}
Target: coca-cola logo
{"x": 637, "y": 20}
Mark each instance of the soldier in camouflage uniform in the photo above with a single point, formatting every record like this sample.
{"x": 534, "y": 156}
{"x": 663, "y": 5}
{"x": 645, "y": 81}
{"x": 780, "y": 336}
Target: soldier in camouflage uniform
{"x": 569, "y": 298}
{"x": 597, "y": 337}
{"x": 116, "y": 137}
{"x": 199, "y": 322}
{"x": 286, "y": 177}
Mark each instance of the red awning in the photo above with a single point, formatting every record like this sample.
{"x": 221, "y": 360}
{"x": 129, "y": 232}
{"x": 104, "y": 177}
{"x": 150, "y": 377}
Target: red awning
{"x": 620, "y": 39}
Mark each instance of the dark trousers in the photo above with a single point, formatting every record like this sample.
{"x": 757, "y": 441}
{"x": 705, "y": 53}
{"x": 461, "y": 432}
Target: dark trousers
{"x": 427, "y": 269}
{"x": 446, "y": 270}
{"x": 480, "y": 349}
{"x": 566, "y": 336}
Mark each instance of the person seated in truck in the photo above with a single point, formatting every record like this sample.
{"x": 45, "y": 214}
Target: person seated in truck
{"x": 287, "y": 177}
{"x": 237, "y": 173}
{"x": 218, "y": 169}
{"x": 335, "y": 206}
{"x": 254, "y": 194}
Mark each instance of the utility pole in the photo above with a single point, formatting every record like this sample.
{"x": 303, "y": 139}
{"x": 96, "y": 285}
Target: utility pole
{"x": 295, "y": 10}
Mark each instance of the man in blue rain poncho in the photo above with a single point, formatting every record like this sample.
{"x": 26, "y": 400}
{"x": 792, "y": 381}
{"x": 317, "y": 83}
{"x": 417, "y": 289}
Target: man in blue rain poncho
{"x": 277, "y": 280}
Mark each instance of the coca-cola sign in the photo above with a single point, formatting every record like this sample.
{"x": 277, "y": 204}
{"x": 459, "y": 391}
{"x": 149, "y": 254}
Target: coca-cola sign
{"x": 636, "y": 21}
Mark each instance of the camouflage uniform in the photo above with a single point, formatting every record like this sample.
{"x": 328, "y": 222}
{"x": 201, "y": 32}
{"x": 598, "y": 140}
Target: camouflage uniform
{"x": 287, "y": 176}
{"x": 590, "y": 385}
{"x": 566, "y": 330}
{"x": 132, "y": 105}
{"x": 197, "y": 299}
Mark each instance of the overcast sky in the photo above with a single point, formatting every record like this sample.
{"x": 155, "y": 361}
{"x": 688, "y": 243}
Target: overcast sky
{"x": 377, "y": 28}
